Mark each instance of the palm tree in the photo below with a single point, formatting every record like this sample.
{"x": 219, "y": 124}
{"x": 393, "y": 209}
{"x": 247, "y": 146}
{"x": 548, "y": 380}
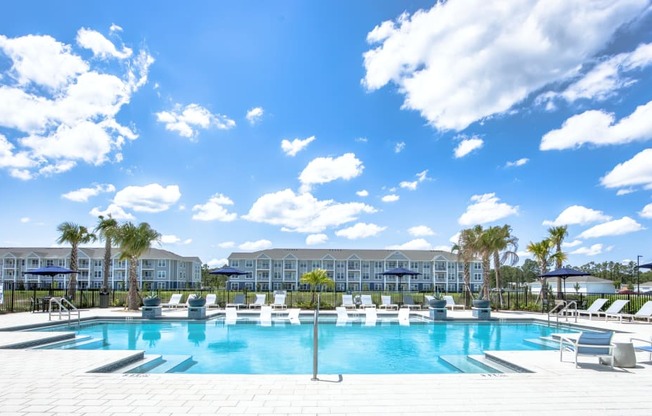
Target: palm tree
{"x": 556, "y": 236}
{"x": 75, "y": 235}
{"x": 316, "y": 278}
{"x": 133, "y": 242}
{"x": 541, "y": 252}
{"x": 106, "y": 229}
{"x": 504, "y": 246}
{"x": 466, "y": 251}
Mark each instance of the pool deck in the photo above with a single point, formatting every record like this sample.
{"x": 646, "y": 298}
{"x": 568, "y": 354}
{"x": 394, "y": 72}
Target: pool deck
{"x": 58, "y": 382}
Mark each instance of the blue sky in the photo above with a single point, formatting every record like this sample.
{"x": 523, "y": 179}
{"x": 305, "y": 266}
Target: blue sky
{"x": 244, "y": 125}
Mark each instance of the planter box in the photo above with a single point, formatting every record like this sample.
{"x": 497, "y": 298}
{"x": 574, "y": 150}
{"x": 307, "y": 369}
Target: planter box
{"x": 196, "y": 312}
{"x": 481, "y": 303}
{"x": 151, "y": 312}
{"x": 195, "y": 303}
{"x": 151, "y": 302}
{"x": 437, "y": 303}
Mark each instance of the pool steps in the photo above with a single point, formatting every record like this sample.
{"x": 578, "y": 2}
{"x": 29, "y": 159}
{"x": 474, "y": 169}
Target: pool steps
{"x": 78, "y": 342}
{"x": 550, "y": 342}
{"x": 475, "y": 364}
{"x": 159, "y": 364}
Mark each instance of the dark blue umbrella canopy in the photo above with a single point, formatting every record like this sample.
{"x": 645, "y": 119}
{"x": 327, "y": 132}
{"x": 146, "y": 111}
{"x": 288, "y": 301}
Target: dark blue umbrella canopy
{"x": 228, "y": 271}
{"x": 565, "y": 272}
{"x": 50, "y": 271}
{"x": 400, "y": 272}
{"x": 645, "y": 266}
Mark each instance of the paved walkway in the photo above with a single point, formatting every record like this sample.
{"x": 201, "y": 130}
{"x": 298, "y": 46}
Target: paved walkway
{"x": 53, "y": 382}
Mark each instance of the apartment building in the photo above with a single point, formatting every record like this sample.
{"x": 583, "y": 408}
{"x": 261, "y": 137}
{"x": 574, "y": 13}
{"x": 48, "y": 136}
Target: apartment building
{"x": 352, "y": 270}
{"x": 157, "y": 269}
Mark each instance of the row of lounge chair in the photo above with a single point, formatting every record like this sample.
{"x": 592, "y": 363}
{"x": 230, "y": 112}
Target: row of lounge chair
{"x": 371, "y": 316}
{"x": 238, "y": 301}
{"x": 175, "y": 301}
{"x": 614, "y": 310}
{"x": 387, "y": 304}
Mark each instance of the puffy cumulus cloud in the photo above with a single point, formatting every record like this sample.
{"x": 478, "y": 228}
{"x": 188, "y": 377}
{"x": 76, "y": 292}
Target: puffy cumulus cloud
{"x": 458, "y": 62}
{"x": 255, "y": 245}
{"x": 327, "y": 169}
{"x": 214, "y": 210}
{"x": 215, "y": 263}
{"x": 633, "y": 172}
{"x": 113, "y": 210}
{"x": 625, "y": 225}
{"x": 255, "y": 114}
{"x": 646, "y": 212}
{"x": 573, "y": 243}
{"x": 455, "y": 238}
{"x": 60, "y": 108}
{"x": 360, "y": 230}
{"x": 316, "y": 239}
{"x": 291, "y": 148}
{"x": 186, "y": 121}
{"x": 594, "y": 250}
{"x": 362, "y": 193}
{"x": 599, "y": 128}
{"x": 625, "y": 191}
{"x": 519, "y": 162}
{"x": 173, "y": 239}
{"x": 420, "y": 231}
{"x": 226, "y": 244}
{"x": 303, "y": 212}
{"x": 416, "y": 244}
{"x": 486, "y": 208}
{"x": 390, "y": 198}
{"x": 398, "y": 147}
{"x": 577, "y": 214}
{"x": 83, "y": 194}
{"x": 466, "y": 146}
{"x": 149, "y": 198}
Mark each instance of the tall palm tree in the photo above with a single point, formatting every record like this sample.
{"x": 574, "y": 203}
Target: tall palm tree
{"x": 134, "y": 240}
{"x": 466, "y": 252}
{"x": 541, "y": 252}
{"x": 505, "y": 247}
{"x": 75, "y": 235}
{"x": 556, "y": 236}
{"x": 106, "y": 229}
{"x": 315, "y": 279}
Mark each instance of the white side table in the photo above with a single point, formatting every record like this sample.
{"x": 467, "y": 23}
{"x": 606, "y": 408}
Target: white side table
{"x": 624, "y": 355}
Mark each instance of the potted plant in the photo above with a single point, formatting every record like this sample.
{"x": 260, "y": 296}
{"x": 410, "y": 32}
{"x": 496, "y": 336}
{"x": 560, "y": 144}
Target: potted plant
{"x": 197, "y": 301}
{"x": 152, "y": 299}
{"x": 481, "y": 302}
{"x": 437, "y": 301}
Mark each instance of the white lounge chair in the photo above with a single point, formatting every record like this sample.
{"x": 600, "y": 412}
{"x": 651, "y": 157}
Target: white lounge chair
{"x": 371, "y": 316}
{"x": 386, "y": 303}
{"x": 279, "y": 301}
{"x": 292, "y": 316}
{"x": 404, "y": 316}
{"x": 238, "y": 302}
{"x": 347, "y": 302}
{"x": 645, "y": 312}
{"x": 174, "y": 301}
{"x": 450, "y": 303}
{"x": 408, "y": 302}
{"x": 230, "y": 315}
{"x": 342, "y": 316}
{"x": 211, "y": 301}
{"x": 190, "y": 297}
{"x": 594, "y": 309}
{"x": 367, "y": 302}
{"x": 593, "y": 344}
{"x": 645, "y": 347}
{"x": 259, "y": 302}
{"x": 613, "y": 311}
{"x": 265, "y": 315}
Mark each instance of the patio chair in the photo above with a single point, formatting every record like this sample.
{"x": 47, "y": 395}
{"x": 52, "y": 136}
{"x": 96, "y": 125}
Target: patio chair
{"x": 238, "y": 302}
{"x": 404, "y": 316}
{"x": 647, "y": 347}
{"x": 292, "y": 316}
{"x": 408, "y": 302}
{"x": 645, "y": 312}
{"x": 386, "y": 303}
{"x": 613, "y": 311}
{"x": 230, "y": 315}
{"x": 371, "y": 316}
{"x": 592, "y": 344}
{"x": 347, "y": 302}
{"x": 174, "y": 301}
{"x": 265, "y": 315}
{"x": 367, "y": 302}
{"x": 450, "y": 303}
{"x": 211, "y": 301}
{"x": 594, "y": 309}
{"x": 259, "y": 302}
{"x": 279, "y": 301}
{"x": 187, "y": 303}
{"x": 342, "y": 316}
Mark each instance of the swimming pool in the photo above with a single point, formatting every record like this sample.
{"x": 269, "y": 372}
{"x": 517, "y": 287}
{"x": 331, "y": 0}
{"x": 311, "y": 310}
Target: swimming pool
{"x": 248, "y": 348}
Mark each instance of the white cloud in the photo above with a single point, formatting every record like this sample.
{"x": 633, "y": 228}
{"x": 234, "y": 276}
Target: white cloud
{"x": 635, "y": 171}
{"x": 416, "y": 244}
{"x": 599, "y": 128}
{"x": 327, "y": 169}
{"x": 577, "y": 214}
{"x": 149, "y": 198}
{"x": 390, "y": 198}
{"x": 519, "y": 162}
{"x": 486, "y": 208}
{"x": 362, "y": 193}
{"x": 360, "y": 230}
{"x": 361, "y": 139}
{"x": 423, "y": 175}
{"x": 646, "y": 212}
{"x": 573, "y": 243}
{"x": 303, "y": 212}
{"x": 255, "y": 114}
{"x": 255, "y": 245}
{"x": 458, "y": 62}
{"x": 115, "y": 28}
{"x": 466, "y": 146}
{"x": 173, "y": 239}
{"x": 215, "y": 263}
{"x": 412, "y": 186}
{"x": 625, "y": 225}
{"x": 101, "y": 46}
{"x": 625, "y": 191}
{"x": 455, "y": 238}
{"x": 398, "y": 147}
{"x": 214, "y": 210}
{"x": 61, "y": 109}
{"x": 594, "y": 250}
{"x": 291, "y": 148}
{"x": 83, "y": 194}
{"x": 316, "y": 239}
{"x": 189, "y": 119}
{"x": 420, "y": 231}
{"x": 25, "y": 220}
{"x": 113, "y": 210}
{"x": 226, "y": 244}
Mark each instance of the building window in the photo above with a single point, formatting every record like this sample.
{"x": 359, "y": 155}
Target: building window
{"x": 161, "y": 274}
{"x": 249, "y": 264}
{"x": 162, "y": 263}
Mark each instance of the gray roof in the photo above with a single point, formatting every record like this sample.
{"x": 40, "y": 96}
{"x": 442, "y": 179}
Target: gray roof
{"x": 90, "y": 252}
{"x": 583, "y": 279}
{"x": 345, "y": 254}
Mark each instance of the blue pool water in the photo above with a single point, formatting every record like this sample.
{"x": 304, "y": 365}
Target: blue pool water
{"x": 248, "y": 348}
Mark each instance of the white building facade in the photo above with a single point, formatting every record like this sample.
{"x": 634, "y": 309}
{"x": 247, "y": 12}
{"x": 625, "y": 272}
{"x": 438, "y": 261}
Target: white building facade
{"x": 157, "y": 269}
{"x": 352, "y": 270}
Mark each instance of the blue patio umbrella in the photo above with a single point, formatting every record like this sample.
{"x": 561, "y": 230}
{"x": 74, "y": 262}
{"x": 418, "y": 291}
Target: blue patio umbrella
{"x": 50, "y": 271}
{"x": 399, "y": 272}
{"x": 645, "y": 266}
{"x": 228, "y": 271}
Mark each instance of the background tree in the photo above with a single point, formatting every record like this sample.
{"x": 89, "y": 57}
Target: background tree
{"x": 316, "y": 279}
{"x": 541, "y": 252}
{"x": 134, "y": 241}
{"x": 556, "y": 235}
{"x": 75, "y": 235}
{"x": 504, "y": 246}
{"x": 217, "y": 281}
{"x": 106, "y": 229}
{"x": 466, "y": 251}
